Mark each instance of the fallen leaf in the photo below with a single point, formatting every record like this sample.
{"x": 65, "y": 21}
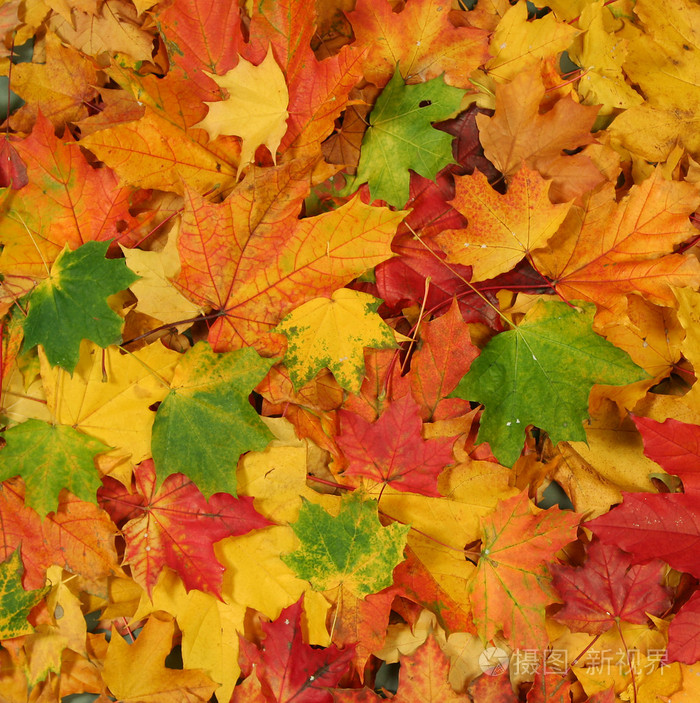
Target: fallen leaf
{"x": 209, "y": 394}
{"x": 256, "y": 109}
{"x": 512, "y": 586}
{"x": 71, "y": 304}
{"x": 15, "y": 602}
{"x": 436, "y": 46}
{"x": 152, "y": 681}
{"x": 333, "y": 333}
{"x": 49, "y": 458}
{"x": 328, "y": 555}
{"x": 608, "y": 249}
{"x": 424, "y": 676}
{"x": 607, "y": 589}
{"x": 289, "y": 669}
{"x": 400, "y": 137}
{"x": 224, "y": 249}
{"x": 654, "y": 526}
{"x": 502, "y": 229}
{"x": 392, "y": 451}
{"x": 553, "y": 355}
{"x": 176, "y": 526}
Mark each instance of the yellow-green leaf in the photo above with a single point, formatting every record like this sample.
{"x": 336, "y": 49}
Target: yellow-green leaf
{"x": 333, "y": 333}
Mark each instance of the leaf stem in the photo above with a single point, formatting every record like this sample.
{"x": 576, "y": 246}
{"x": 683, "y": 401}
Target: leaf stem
{"x": 629, "y": 662}
{"x": 417, "y": 325}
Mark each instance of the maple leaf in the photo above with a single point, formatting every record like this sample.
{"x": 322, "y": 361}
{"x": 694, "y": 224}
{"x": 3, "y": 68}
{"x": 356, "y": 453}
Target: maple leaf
{"x": 288, "y": 669}
{"x": 225, "y": 248}
{"x": 436, "y": 45}
{"x": 156, "y": 294}
{"x": 209, "y": 398}
{"x": 175, "y": 526}
{"x": 517, "y": 44}
{"x": 400, "y": 137}
{"x": 351, "y": 550}
{"x": 59, "y": 87}
{"x": 152, "y": 681}
{"x": 13, "y": 171}
{"x": 66, "y": 202}
{"x": 195, "y": 37}
{"x": 333, "y": 333}
{"x": 109, "y": 384}
{"x": 113, "y": 29}
{"x": 675, "y": 446}
{"x": 607, "y": 249}
{"x": 541, "y": 373}
{"x": 549, "y": 687}
{"x": 78, "y": 536}
{"x": 49, "y": 458}
{"x": 424, "y": 676}
{"x": 683, "y": 633}
{"x": 655, "y": 526}
{"x": 494, "y": 689}
{"x": 502, "y": 228}
{"x": 318, "y": 90}
{"x": 669, "y": 83}
{"x": 603, "y": 53}
{"x": 607, "y": 589}
{"x": 443, "y": 358}
{"x": 256, "y": 109}
{"x": 71, "y": 304}
{"x": 392, "y": 451}
{"x": 15, "y": 602}
{"x": 511, "y": 586}
{"x": 152, "y": 152}
{"x": 517, "y": 132}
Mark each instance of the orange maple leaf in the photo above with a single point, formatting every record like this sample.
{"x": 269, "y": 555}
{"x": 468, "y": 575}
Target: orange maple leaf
{"x": 512, "y": 584}
{"x": 252, "y": 259}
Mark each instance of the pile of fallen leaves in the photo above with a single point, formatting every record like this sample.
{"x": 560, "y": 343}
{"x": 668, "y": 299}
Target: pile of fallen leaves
{"x": 307, "y": 307}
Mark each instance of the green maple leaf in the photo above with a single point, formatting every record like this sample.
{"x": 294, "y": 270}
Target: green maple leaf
{"x": 400, "y": 137}
{"x": 71, "y": 304}
{"x": 15, "y": 602}
{"x": 541, "y": 374}
{"x": 352, "y": 549}
{"x": 48, "y": 458}
{"x": 206, "y": 422}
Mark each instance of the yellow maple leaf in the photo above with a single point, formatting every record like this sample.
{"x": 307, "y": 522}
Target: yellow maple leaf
{"x": 334, "y": 332}
{"x": 157, "y": 296}
{"x": 114, "y": 29}
{"x": 602, "y": 53}
{"x": 151, "y": 680}
{"x": 256, "y": 109}
{"x": 663, "y": 62}
{"x": 114, "y": 408}
{"x": 209, "y": 628}
{"x": 517, "y": 43}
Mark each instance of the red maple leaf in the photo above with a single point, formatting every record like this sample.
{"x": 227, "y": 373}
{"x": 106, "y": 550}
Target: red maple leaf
{"x": 608, "y": 588}
{"x": 176, "y": 527}
{"x": 684, "y": 633}
{"x": 655, "y": 526}
{"x": 675, "y": 446}
{"x": 392, "y": 451}
{"x": 290, "y": 670}
{"x": 445, "y": 355}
